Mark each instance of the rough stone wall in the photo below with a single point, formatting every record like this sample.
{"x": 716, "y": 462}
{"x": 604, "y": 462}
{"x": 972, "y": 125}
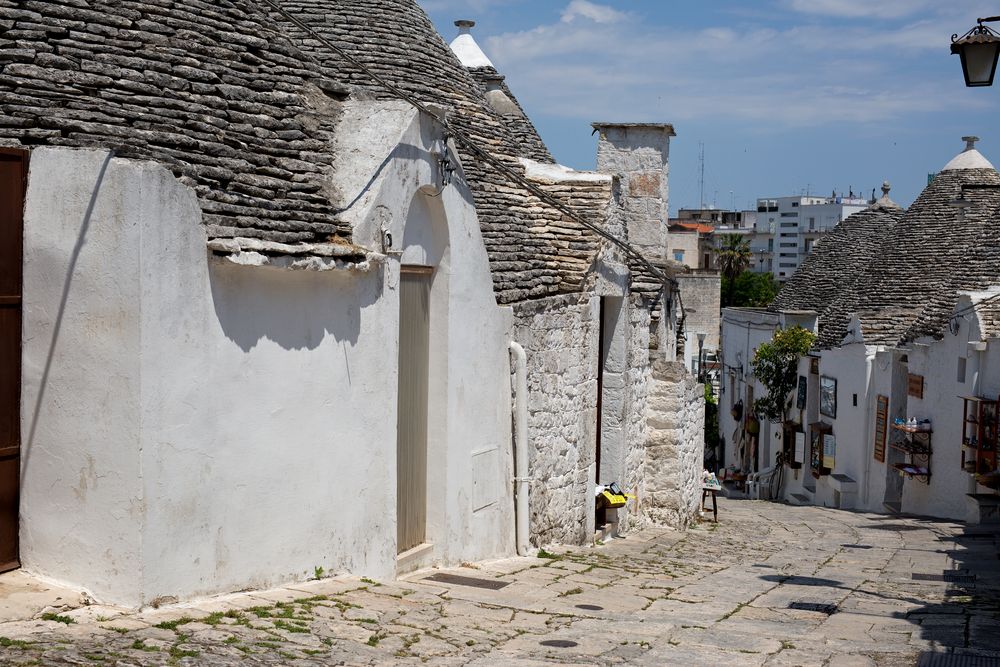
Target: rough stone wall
{"x": 701, "y": 293}
{"x": 639, "y": 153}
{"x": 675, "y": 445}
{"x": 559, "y": 335}
{"x": 637, "y": 383}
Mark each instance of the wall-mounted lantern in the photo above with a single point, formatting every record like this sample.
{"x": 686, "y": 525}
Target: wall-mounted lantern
{"x": 979, "y": 49}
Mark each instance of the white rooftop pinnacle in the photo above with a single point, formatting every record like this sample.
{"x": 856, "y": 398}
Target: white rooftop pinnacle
{"x": 970, "y": 158}
{"x": 465, "y": 47}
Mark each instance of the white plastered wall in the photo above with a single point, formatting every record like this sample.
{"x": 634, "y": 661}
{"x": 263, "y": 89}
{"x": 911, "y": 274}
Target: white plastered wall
{"x": 937, "y": 361}
{"x": 198, "y": 426}
{"x": 852, "y": 426}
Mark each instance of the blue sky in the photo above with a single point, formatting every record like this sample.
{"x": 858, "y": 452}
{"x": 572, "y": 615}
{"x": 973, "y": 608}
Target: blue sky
{"x": 785, "y": 94}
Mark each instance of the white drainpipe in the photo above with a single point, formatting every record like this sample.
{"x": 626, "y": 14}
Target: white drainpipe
{"x": 520, "y": 448}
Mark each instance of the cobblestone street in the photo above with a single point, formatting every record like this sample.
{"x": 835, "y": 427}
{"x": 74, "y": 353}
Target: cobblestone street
{"x": 770, "y": 585}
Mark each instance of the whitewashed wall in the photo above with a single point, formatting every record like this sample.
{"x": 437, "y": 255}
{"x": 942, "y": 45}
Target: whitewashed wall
{"x": 193, "y": 426}
{"x": 937, "y": 360}
{"x": 853, "y": 426}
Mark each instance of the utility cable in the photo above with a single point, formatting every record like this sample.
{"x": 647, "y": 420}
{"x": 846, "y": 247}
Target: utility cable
{"x": 470, "y": 144}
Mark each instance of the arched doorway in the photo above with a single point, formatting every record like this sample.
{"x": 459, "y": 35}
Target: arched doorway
{"x": 421, "y": 435}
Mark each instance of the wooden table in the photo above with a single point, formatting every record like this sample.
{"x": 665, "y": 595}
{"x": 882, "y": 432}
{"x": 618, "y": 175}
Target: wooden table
{"x": 705, "y": 490}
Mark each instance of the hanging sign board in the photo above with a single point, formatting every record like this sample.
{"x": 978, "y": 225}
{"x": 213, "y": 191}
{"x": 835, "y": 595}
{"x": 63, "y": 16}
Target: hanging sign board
{"x": 829, "y": 450}
{"x": 915, "y": 385}
{"x": 881, "y": 423}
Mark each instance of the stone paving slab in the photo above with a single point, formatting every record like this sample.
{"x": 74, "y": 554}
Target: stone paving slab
{"x": 718, "y": 594}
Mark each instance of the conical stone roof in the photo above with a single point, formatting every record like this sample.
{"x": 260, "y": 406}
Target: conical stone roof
{"x": 915, "y": 268}
{"x": 830, "y": 273}
{"x": 211, "y": 89}
{"x": 534, "y": 251}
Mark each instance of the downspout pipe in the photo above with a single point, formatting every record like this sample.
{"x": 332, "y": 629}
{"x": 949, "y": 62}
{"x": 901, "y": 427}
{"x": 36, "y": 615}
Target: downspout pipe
{"x": 520, "y": 448}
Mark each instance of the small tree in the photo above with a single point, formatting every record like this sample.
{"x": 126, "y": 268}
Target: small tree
{"x": 776, "y": 365}
{"x": 749, "y": 289}
{"x": 733, "y": 255}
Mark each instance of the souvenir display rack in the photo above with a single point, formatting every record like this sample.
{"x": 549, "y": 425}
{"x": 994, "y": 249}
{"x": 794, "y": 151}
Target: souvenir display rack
{"x": 979, "y": 435}
{"x": 915, "y": 443}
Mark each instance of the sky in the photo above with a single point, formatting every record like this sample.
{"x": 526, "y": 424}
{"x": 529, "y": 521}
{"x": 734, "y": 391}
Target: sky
{"x": 786, "y": 96}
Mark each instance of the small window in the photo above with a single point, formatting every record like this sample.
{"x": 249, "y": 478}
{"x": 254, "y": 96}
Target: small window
{"x": 678, "y": 255}
{"x": 961, "y": 370}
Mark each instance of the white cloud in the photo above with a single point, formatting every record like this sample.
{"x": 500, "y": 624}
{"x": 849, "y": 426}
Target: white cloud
{"x": 592, "y": 11}
{"x": 886, "y": 9}
{"x": 804, "y": 75}
{"x": 458, "y": 6}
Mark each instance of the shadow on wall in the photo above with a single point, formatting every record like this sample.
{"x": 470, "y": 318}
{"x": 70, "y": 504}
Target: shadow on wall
{"x": 409, "y": 153}
{"x": 294, "y": 309}
{"x": 81, "y": 240}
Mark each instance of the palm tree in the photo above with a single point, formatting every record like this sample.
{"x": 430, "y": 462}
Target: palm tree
{"x": 734, "y": 258}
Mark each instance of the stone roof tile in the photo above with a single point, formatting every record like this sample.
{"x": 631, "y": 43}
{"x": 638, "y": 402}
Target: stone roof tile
{"x": 827, "y": 279}
{"x": 212, "y": 90}
{"x": 534, "y": 250}
{"x": 902, "y": 272}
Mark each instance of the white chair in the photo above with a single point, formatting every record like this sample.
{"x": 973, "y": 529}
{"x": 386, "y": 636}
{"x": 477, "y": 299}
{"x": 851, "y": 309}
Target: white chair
{"x": 760, "y": 482}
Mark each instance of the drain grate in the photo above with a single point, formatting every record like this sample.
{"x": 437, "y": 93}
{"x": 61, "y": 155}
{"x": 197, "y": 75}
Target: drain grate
{"x": 822, "y": 607}
{"x": 934, "y": 659}
{"x": 590, "y": 607}
{"x": 475, "y": 582}
{"x": 952, "y": 577}
{"x": 558, "y": 643}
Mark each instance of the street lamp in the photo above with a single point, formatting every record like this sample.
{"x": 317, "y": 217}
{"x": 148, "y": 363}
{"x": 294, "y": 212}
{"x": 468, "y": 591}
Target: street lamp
{"x": 979, "y": 49}
{"x": 760, "y": 258}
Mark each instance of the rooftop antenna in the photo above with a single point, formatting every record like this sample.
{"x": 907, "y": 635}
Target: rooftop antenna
{"x": 701, "y": 173}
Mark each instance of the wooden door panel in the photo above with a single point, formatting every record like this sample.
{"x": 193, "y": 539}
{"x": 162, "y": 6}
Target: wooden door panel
{"x": 13, "y": 171}
{"x": 411, "y": 438}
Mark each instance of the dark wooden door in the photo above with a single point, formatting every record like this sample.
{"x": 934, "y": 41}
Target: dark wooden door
{"x": 600, "y": 515}
{"x": 13, "y": 178}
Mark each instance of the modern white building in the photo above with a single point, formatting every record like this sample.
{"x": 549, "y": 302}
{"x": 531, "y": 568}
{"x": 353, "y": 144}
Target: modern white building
{"x": 787, "y": 228}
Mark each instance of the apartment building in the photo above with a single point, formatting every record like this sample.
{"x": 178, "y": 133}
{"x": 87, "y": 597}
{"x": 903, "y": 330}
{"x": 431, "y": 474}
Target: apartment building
{"x": 787, "y": 228}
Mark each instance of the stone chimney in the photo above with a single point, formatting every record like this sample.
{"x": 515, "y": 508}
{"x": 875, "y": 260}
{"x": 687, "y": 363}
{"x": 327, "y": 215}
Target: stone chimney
{"x": 638, "y": 154}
